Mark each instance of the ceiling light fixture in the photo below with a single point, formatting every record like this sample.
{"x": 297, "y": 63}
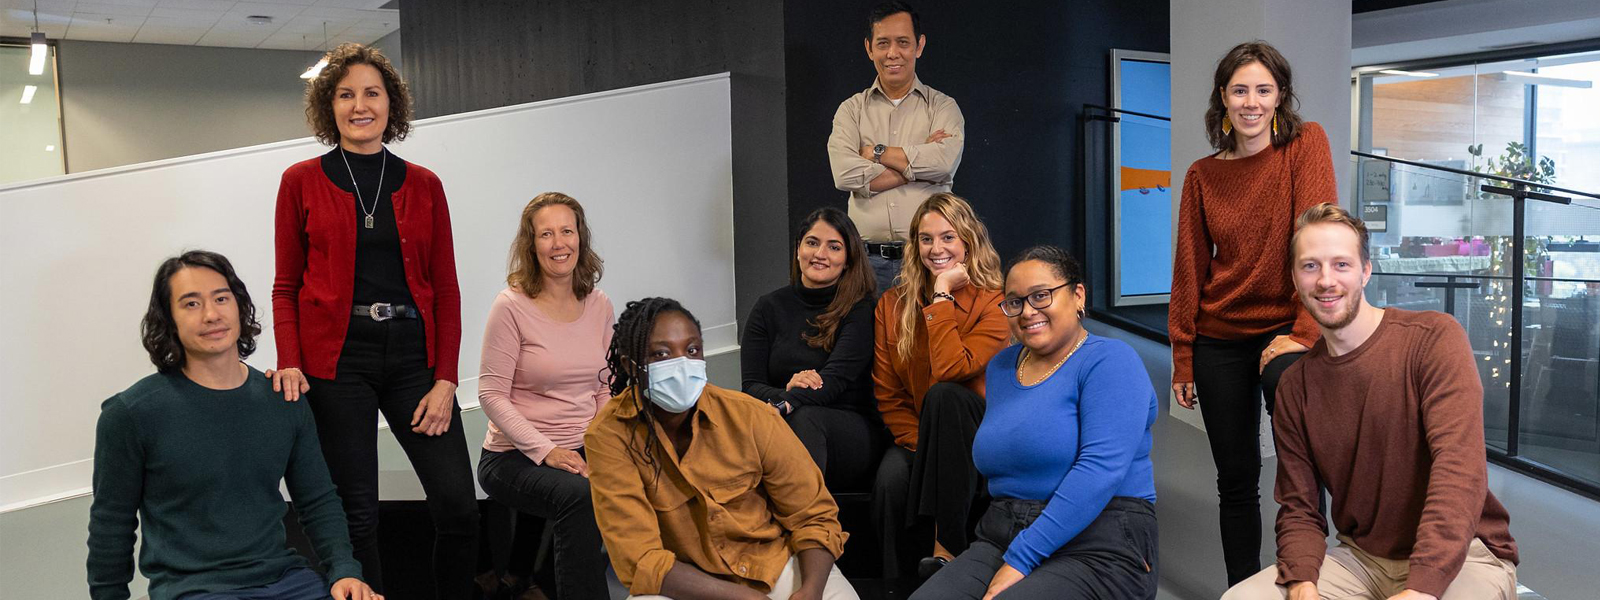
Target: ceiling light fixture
{"x": 259, "y": 19}
{"x": 315, "y": 69}
{"x": 40, "y": 48}
{"x": 1407, "y": 73}
{"x": 27, "y": 93}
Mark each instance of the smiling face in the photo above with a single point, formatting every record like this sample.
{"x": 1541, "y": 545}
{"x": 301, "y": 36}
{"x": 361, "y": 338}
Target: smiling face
{"x": 1251, "y": 97}
{"x": 822, "y": 256}
{"x": 894, "y": 48}
{"x": 1047, "y": 331}
{"x": 938, "y": 244}
{"x": 205, "y": 313}
{"x": 361, "y": 109}
{"x": 1328, "y": 273}
{"x": 556, "y": 242}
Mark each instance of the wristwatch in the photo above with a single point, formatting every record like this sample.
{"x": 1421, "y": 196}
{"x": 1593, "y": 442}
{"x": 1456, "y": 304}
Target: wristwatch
{"x": 877, "y": 152}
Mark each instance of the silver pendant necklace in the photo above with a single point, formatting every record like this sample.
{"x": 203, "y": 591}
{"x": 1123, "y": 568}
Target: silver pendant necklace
{"x": 377, "y": 194}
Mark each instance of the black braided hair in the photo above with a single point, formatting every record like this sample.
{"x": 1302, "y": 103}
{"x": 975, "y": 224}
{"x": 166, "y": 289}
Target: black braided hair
{"x": 630, "y": 340}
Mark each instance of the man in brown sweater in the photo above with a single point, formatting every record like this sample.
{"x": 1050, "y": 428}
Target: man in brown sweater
{"x": 1386, "y": 411}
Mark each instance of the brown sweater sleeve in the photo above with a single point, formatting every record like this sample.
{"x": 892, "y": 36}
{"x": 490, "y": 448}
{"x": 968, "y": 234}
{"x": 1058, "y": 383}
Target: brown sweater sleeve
{"x": 1191, "y": 265}
{"x": 894, "y": 396}
{"x": 1301, "y": 527}
{"x": 1313, "y": 183}
{"x": 1458, "y": 479}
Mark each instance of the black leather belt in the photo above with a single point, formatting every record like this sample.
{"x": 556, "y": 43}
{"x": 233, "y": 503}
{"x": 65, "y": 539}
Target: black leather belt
{"x": 887, "y": 250}
{"x": 383, "y": 311}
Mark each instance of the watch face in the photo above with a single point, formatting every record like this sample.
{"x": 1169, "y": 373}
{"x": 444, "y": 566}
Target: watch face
{"x": 878, "y": 149}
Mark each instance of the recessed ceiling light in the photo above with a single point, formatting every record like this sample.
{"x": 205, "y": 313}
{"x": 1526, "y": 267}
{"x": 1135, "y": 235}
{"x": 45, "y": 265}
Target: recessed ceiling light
{"x": 27, "y": 93}
{"x": 259, "y": 19}
{"x": 50, "y": 148}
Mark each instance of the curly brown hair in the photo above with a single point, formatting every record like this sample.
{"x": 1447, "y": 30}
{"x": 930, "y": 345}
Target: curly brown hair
{"x": 1289, "y": 121}
{"x": 524, "y": 273}
{"x": 320, "y": 90}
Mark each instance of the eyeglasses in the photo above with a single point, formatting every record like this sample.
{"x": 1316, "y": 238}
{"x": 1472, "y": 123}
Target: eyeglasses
{"x": 1039, "y": 300}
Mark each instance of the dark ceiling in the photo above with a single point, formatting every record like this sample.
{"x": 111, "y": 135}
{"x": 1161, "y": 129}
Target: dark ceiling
{"x": 1364, "y": 6}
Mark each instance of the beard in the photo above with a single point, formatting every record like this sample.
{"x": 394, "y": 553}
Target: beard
{"x": 1343, "y": 317}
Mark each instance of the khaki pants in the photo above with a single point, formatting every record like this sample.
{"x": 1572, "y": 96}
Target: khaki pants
{"x": 838, "y": 588}
{"x": 1350, "y": 572}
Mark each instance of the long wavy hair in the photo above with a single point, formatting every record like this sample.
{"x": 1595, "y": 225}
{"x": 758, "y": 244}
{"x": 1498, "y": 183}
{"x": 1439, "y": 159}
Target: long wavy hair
{"x": 523, "y": 270}
{"x": 1289, "y": 121}
{"x": 625, "y": 360}
{"x": 915, "y": 283}
{"x": 855, "y": 282}
{"x": 159, "y": 331}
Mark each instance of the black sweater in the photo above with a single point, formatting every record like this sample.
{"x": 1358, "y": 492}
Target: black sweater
{"x": 772, "y": 351}
{"x": 380, "y": 271}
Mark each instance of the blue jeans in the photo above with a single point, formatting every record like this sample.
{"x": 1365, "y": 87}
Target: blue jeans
{"x": 1114, "y": 558}
{"x": 884, "y": 270}
{"x": 299, "y": 583}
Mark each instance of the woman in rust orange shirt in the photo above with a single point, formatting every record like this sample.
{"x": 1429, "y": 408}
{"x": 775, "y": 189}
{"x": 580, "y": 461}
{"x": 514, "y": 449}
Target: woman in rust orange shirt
{"x": 1234, "y": 322}
{"x": 936, "y": 330}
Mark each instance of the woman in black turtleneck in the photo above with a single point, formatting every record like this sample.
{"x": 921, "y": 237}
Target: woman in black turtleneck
{"x": 807, "y": 350}
{"x": 367, "y": 313}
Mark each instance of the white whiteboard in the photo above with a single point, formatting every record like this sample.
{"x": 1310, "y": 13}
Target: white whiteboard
{"x": 652, "y": 166}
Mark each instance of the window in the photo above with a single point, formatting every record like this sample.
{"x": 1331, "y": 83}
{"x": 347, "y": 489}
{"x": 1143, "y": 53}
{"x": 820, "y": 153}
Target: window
{"x": 30, "y": 116}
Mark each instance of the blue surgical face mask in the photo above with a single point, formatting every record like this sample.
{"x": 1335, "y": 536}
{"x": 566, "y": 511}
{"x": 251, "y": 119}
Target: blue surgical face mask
{"x": 675, "y": 384}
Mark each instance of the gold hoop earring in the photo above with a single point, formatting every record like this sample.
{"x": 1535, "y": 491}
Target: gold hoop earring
{"x": 1227, "y": 126}
{"x": 1274, "y": 124}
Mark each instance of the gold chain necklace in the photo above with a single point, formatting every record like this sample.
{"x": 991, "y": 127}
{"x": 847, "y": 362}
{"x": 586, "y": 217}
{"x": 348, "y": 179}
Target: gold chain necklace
{"x": 1026, "y": 353}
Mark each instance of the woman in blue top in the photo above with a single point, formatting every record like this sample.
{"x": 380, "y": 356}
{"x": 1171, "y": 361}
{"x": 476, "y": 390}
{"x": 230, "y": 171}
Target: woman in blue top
{"x": 1065, "y": 445}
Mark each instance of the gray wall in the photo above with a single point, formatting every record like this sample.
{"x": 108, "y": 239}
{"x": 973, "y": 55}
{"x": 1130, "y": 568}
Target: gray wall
{"x": 469, "y": 56}
{"x": 1314, "y": 35}
{"x": 131, "y": 103}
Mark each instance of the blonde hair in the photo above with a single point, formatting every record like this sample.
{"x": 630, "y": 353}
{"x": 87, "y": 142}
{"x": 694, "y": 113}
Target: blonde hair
{"x": 915, "y": 282}
{"x": 524, "y": 273}
{"x": 1329, "y": 213}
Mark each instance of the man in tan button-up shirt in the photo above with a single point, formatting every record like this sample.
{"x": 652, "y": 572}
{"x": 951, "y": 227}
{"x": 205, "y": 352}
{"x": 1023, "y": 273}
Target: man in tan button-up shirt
{"x": 895, "y": 143}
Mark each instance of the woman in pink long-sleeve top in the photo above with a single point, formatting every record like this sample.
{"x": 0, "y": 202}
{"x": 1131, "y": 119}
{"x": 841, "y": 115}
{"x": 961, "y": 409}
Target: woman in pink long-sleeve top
{"x": 541, "y": 384}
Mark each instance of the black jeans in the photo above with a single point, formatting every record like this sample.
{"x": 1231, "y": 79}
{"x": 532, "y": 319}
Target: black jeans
{"x": 299, "y": 583}
{"x": 383, "y": 367}
{"x": 844, "y": 443}
{"x": 939, "y": 479}
{"x": 562, "y": 498}
{"x": 1114, "y": 558}
{"x": 1231, "y": 389}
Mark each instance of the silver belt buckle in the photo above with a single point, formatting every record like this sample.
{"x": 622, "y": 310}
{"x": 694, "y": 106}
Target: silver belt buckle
{"x": 381, "y": 311}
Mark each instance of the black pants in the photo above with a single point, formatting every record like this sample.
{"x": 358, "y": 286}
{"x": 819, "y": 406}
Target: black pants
{"x": 939, "y": 479}
{"x": 1231, "y": 389}
{"x": 383, "y": 367}
{"x": 844, "y": 443}
{"x": 562, "y": 498}
{"x": 1114, "y": 558}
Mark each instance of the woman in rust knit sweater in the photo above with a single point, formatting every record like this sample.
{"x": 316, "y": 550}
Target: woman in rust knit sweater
{"x": 367, "y": 313}
{"x": 1234, "y": 322}
{"x": 936, "y": 330}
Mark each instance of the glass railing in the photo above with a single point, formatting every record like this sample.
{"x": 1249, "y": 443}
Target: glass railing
{"x": 1517, "y": 263}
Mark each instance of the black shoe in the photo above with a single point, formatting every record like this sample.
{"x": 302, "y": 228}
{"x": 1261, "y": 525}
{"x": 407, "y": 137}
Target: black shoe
{"x": 930, "y": 565}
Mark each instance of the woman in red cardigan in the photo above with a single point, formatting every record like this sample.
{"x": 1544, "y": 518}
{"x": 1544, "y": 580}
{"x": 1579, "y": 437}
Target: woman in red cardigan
{"x": 367, "y": 313}
{"x": 1234, "y": 321}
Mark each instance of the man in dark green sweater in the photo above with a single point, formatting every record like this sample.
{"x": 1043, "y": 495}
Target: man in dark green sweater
{"x": 196, "y": 452}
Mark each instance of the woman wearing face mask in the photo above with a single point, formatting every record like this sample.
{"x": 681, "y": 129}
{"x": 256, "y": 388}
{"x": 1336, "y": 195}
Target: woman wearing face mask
{"x": 807, "y": 350}
{"x": 367, "y": 312}
{"x": 1234, "y": 321}
{"x": 1073, "y": 514}
{"x": 702, "y": 492}
{"x": 936, "y": 330}
{"x": 543, "y": 346}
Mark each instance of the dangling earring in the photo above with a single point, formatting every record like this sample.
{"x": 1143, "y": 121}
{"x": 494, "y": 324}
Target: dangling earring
{"x": 1227, "y": 126}
{"x": 1274, "y": 124}
{"x": 1080, "y": 314}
